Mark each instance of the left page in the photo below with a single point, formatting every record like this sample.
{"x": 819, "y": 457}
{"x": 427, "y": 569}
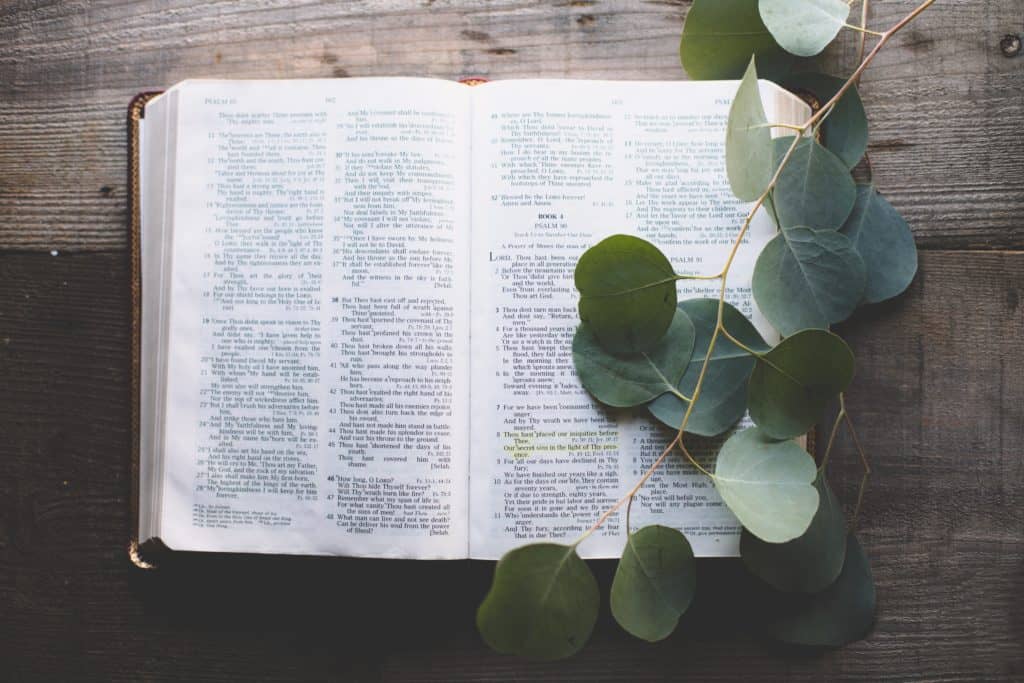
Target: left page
{"x": 317, "y": 379}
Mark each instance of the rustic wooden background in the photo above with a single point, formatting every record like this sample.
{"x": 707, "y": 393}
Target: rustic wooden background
{"x": 939, "y": 396}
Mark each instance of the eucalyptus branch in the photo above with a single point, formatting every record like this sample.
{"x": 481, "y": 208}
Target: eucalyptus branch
{"x": 719, "y": 329}
{"x": 862, "y": 39}
{"x": 637, "y": 345}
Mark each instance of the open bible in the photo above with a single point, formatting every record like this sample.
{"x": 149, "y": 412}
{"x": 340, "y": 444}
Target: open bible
{"x": 356, "y": 309}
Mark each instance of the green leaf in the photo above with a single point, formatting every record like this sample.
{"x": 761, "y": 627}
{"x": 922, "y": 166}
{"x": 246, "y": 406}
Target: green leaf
{"x": 814, "y": 189}
{"x": 627, "y": 293}
{"x": 748, "y": 141}
{"x": 768, "y": 485}
{"x": 723, "y": 397}
{"x": 806, "y": 564}
{"x": 840, "y": 614}
{"x": 654, "y": 583}
{"x": 627, "y": 381}
{"x": 807, "y": 278}
{"x": 885, "y": 243}
{"x": 804, "y": 27}
{"x": 542, "y": 604}
{"x": 845, "y": 131}
{"x": 792, "y": 383}
{"x": 720, "y": 36}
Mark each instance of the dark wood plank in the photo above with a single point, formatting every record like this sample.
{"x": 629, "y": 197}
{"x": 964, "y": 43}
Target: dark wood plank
{"x": 945, "y": 105}
{"x": 938, "y": 402}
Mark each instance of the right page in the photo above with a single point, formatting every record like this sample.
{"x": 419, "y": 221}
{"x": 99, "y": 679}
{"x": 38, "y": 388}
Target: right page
{"x": 557, "y": 167}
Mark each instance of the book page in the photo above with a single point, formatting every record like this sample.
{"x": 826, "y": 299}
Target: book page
{"x": 318, "y": 348}
{"x": 558, "y": 166}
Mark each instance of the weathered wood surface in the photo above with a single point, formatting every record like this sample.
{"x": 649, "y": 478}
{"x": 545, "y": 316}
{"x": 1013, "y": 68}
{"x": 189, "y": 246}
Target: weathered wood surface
{"x": 939, "y": 397}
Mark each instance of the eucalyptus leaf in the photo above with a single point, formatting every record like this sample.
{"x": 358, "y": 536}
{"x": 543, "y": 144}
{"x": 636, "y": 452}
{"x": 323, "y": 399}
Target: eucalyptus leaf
{"x": 723, "y": 396}
{"x": 807, "y": 564}
{"x": 720, "y": 36}
{"x": 542, "y": 603}
{"x": 885, "y": 243}
{"x": 768, "y": 484}
{"x": 840, "y": 614}
{"x": 627, "y": 381}
{"x": 627, "y": 293}
{"x": 748, "y": 142}
{"x": 804, "y": 27}
{"x": 654, "y": 582}
{"x": 844, "y": 131}
{"x": 814, "y": 189}
{"x": 806, "y": 278}
{"x": 792, "y": 383}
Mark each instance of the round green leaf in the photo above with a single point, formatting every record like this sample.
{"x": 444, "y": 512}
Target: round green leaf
{"x": 884, "y": 242}
{"x": 627, "y": 381}
{"x": 792, "y": 383}
{"x": 845, "y": 131}
{"x": 814, "y": 189}
{"x": 748, "y": 142}
{"x": 627, "y": 293}
{"x": 804, "y": 27}
{"x": 654, "y": 583}
{"x": 806, "y": 564}
{"x": 807, "y": 278}
{"x": 768, "y": 485}
{"x": 840, "y": 614}
{"x": 720, "y": 36}
{"x": 723, "y": 396}
{"x": 542, "y": 604}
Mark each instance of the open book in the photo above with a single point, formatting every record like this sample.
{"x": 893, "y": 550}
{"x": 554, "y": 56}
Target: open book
{"x": 357, "y": 306}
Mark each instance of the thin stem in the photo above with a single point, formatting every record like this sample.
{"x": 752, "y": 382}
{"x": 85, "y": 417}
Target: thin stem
{"x": 821, "y": 123}
{"x": 629, "y": 509}
{"x": 699, "y": 277}
{"x": 863, "y": 460}
{"x": 737, "y": 342}
{"x": 788, "y": 126}
{"x": 693, "y": 461}
{"x": 680, "y": 395}
{"x": 756, "y": 354}
{"x": 775, "y": 214}
{"x": 832, "y": 438}
{"x": 862, "y": 40}
{"x": 863, "y": 31}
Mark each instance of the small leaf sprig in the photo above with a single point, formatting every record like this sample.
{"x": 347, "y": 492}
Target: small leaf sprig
{"x": 700, "y": 365}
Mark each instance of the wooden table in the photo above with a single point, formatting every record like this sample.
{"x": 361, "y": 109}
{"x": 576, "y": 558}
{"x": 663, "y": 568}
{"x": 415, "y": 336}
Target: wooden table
{"x": 939, "y": 395}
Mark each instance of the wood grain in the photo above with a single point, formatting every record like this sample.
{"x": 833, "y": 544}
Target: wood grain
{"x": 938, "y": 407}
{"x": 945, "y": 105}
{"x": 938, "y": 398}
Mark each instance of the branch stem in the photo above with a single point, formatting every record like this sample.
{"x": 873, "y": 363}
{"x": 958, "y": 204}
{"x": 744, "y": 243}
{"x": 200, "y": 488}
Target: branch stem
{"x": 741, "y": 345}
